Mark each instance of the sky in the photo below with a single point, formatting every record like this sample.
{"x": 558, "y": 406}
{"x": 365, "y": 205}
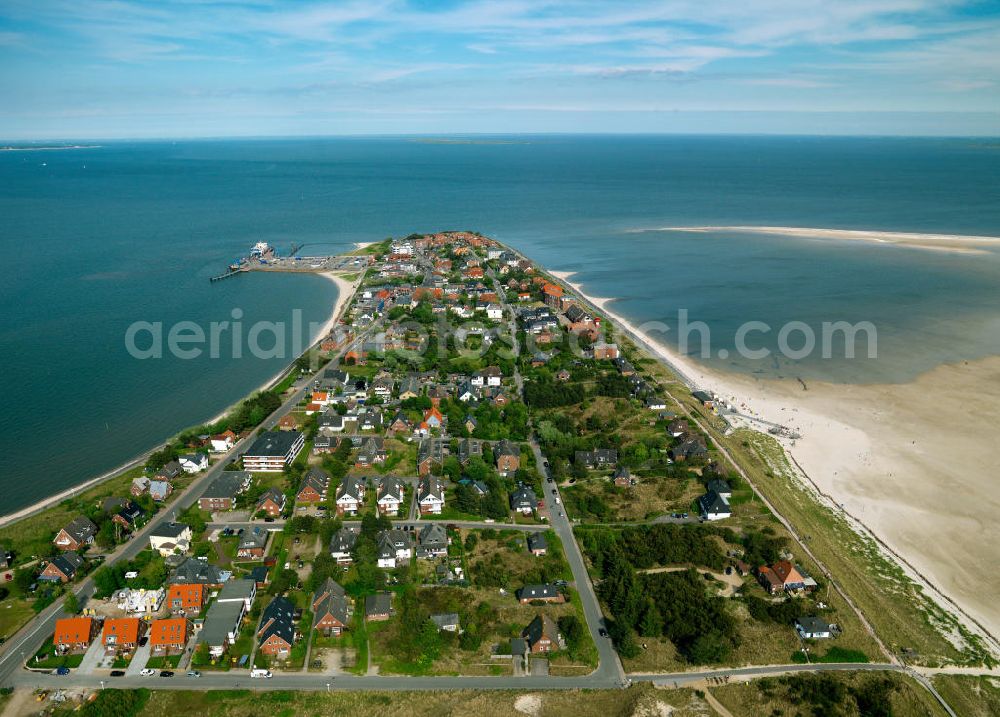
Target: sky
{"x": 219, "y": 68}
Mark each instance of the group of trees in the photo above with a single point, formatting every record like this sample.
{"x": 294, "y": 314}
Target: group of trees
{"x": 546, "y": 393}
{"x": 672, "y": 605}
{"x": 823, "y": 694}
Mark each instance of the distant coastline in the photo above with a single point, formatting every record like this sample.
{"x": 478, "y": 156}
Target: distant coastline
{"x": 48, "y": 148}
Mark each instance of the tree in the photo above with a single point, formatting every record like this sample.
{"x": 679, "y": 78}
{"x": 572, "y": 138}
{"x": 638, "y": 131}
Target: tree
{"x": 651, "y": 623}
{"x": 106, "y": 534}
{"x": 71, "y": 604}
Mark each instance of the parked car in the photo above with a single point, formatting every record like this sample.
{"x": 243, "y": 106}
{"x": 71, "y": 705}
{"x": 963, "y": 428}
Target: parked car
{"x": 260, "y": 673}
{"x": 117, "y": 673}
{"x": 62, "y": 671}
{"x": 602, "y": 632}
{"x": 166, "y": 673}
{"x": 194, "y": 673}
{"x": 147, "y": 672}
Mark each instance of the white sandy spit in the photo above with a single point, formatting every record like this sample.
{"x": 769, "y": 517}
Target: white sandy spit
{"x": 955, "y": 243}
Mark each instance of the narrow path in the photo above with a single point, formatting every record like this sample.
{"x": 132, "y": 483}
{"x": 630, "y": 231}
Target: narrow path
{"x": 716, "y": 705}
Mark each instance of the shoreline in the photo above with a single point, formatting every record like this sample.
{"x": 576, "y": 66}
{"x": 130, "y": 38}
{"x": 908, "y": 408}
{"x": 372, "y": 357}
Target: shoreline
{"x": 869, "y": 450}
{"x": 345, "y": 292}
{"x": 948, "y": 243}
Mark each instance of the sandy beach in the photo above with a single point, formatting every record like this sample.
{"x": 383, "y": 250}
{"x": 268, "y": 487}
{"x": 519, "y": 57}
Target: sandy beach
{"x": 912, "y": 462}
{"x": 951, "y": 243}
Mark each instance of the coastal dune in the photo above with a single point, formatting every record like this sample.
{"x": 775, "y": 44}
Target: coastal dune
{"x": 914, "y": 462}
{"x": 953, "y": 243}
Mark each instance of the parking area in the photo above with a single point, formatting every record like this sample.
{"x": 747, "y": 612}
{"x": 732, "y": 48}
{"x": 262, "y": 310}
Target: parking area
{"x": 94, "y": 659}
{"x": 138, "y": 661}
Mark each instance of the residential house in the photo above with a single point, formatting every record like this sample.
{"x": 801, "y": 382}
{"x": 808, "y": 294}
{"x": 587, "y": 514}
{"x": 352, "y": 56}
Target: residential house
{"x": 704, "y": 397}
{"x": 432, "y": 541}
{"x": 782, "y": 576}
{"x": 253, "y": 544}
{"x": 76, "y": 535}
{"x": 222, "y": 491}
{"x": 74, "y": 634}
{"x": 186, "y": 599}
{"x": 62, "y": 568}
{"x": 623, "y": 477}
{"x": 288, "y": 422}
{"x": 714, "y": 506}
{"x": 271, "y": 503}
{"x": 342, "y": 544}
{"x": 276, "y": 633}
{"x": 168, "y": 538}
{"x": 523, "y": 500}
{"x": 331, "y": 608}
{"x": 447, "y": 621}
{"x": 430, "y": 454}
{"x": 272, "y": 451}
{"x": 537, "y": 545}
{"x": 540, "y": 593}
{"x": 169, "y": 472}
{"x": 196, "y": 571}
{"x": 394, "y": 548}
{"x": 469, "y": 448}
{"x": 378, "y": 607}
{"x": 314, "y": 486}
{"x": 430, "y": 495}
{"x": 222, "y": 442}
{"x": 160, "y": 490}
{"x": 120, "y": 636}
{"x": 350, "y": 495}
{"x": 139, "y": 486}
{"x": 391, "y": 492}
{"x": 541, "y": 635}
{"x": 678, "y": 427}
{"x": 690, "y": 447}
{"x": 128, "y": 516}
{"x": 813, "y": 628}
{"x": 605, "y": 351}
{"x": 194, "y": 462}
{"x": 597, "y": 458}
{"x": 372, "y": 452}
{"x": 242, "y": 592}
{"x": 400, "y": 424}
{"x": 169, "y": 636}
{"x": 433, "y": 418}
{"x": 721, "y": 487}
{"x": 508, "y": 457}
{"x": 552, "y": 295}
{"x": 221, "y": 627}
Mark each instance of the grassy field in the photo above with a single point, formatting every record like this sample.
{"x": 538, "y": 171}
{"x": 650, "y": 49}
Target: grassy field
{"x": 14, "y": 612}
{"x": 636, "y": 702}
{"x": 774, "y": 696}
{"x": 970, "y": 696}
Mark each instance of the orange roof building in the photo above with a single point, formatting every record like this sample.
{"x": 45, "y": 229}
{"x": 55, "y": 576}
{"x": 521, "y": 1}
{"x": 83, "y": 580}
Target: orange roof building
{"x": 186, "y": 598}
{"x": 73, "y": 633}
{"x": 121, "y": 634}
{"x": 166, "y": 636}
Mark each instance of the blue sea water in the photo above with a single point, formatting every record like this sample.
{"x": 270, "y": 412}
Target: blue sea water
{"x": 95, "y": 239}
